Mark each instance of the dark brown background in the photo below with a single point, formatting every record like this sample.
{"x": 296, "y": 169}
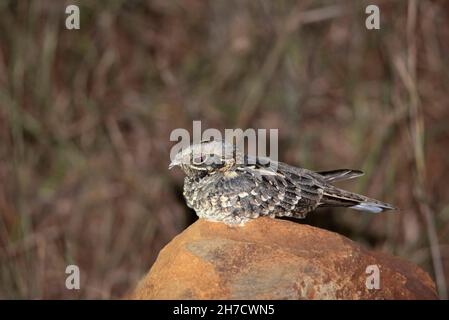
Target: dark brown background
{"x": 85, "y": 119}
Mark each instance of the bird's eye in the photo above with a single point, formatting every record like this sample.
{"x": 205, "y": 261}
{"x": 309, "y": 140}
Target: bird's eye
{"x": 200, "y": 159}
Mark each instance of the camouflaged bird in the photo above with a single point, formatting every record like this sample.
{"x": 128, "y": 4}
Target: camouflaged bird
{"x": 221, "y": 184}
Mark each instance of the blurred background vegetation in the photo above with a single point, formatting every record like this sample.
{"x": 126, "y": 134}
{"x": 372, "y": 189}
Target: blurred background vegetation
{"x": 85, "y": 119}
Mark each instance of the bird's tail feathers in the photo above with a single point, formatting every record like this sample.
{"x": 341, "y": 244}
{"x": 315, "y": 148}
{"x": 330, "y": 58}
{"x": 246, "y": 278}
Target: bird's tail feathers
{"x": 340, "y": 174}
{"x": 335, "y": 197}
{"x": 371, "y": 207}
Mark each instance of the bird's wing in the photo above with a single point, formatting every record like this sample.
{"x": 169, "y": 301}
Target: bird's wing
{"x": 331, "y": 196}
{"x": 315, "y": 189}
{"x": 283, "y": 192}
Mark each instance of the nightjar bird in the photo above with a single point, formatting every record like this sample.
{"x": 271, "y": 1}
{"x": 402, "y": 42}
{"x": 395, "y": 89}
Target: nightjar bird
{"x": 222, "y": 184}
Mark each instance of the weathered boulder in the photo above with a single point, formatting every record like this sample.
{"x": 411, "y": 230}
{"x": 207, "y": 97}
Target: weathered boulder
{"x": 276, "y": 259}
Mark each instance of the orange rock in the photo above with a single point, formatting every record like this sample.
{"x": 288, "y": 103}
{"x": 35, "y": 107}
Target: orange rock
{"x": 275, "y": 259}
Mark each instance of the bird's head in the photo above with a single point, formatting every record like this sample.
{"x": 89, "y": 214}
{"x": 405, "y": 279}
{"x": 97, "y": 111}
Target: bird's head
{"x": 207, "y": 157}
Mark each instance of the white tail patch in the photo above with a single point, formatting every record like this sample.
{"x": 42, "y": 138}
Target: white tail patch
{"x": 369, "y": 207}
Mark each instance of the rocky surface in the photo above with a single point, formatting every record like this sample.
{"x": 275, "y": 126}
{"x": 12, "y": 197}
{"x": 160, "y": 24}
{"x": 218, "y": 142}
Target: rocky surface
{"x": 276, "y": 259}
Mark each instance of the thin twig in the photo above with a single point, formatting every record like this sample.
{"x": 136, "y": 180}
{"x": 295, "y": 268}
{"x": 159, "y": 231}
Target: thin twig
{"x": 408, "y": 76}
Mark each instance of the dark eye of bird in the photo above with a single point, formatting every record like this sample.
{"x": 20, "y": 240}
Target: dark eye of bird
{"x": 216, "y": 162}
{"x": 200, "y": 159}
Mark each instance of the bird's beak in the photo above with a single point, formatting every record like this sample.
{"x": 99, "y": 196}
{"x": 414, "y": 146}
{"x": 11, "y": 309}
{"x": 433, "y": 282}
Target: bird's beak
{"x": 174, "y": 163}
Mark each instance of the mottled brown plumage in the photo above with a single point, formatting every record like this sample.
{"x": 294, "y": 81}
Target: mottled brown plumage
{"x": 222, "y": 184}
